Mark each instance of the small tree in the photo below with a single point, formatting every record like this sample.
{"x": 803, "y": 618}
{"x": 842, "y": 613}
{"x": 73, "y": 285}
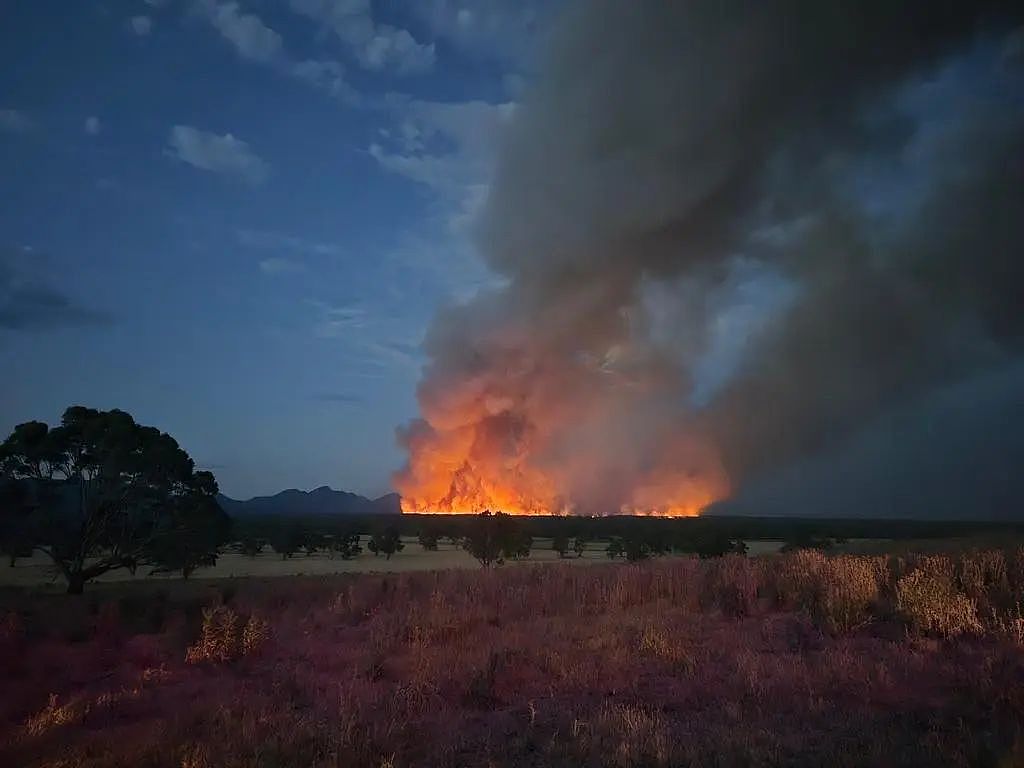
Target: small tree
{"x": 615, "y": 548}
{"x": 198, "y": 526}
{"x": 249, "y": 545}
{"x": 560, "y": 544}
{"x": 517, "y": 544}
{"x": 718, "y": 546}
{"x": 288, "y": 539}
{"x": 636, "y": 549}
{"x": 486, "y": 536}
{"x": 16, "y": 505}
{"x": 579, "y": 546}
{"x": 345, "y": 545}
{"x": 428, "y": 540}
{"x": 312, "y": 542}
{"x": 16, "y": 549}
{"x": 658, "y": 545}
{"x": 808, "y": 541}
{"x": 386, "y": 543}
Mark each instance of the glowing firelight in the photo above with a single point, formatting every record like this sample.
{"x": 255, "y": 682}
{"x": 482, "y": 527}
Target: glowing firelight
{"x": 453, "y": 473}
{"x": 568, "y": 409}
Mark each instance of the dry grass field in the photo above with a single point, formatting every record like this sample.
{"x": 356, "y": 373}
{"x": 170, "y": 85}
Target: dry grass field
{"x": 38, "y": 572}
{"x": 796, "y": 660}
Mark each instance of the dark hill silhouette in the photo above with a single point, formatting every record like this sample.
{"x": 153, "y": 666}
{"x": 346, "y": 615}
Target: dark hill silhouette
{"x": 320, "y": 501}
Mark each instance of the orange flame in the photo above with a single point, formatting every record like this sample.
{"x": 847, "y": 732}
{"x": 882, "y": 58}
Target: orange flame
{"x": 497, "y": 464}
{"x": 563, "y": 409}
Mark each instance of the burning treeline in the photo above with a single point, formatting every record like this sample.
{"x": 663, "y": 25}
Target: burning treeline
{"x": 667, "y": 148}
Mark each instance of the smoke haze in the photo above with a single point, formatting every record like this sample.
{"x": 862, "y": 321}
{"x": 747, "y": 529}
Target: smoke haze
{"x": 853, "y": 172}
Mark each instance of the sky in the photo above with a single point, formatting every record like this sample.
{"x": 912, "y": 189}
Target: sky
{"x": 238, "y": 219}
{"x": 235, "y": 220}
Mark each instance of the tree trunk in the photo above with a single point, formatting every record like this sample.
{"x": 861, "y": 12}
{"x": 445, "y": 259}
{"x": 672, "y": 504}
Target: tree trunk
{"x": 76, "y": 583}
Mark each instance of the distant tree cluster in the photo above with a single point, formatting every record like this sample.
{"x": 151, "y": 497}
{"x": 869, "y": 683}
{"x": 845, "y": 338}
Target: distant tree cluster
{"x": 631, "y": 548}
{"x": 810, "y": 540}
{"x": 579, "y": 546}
{"x": 294, "y": 537}
{"x": 344, "y": 545}
{"x": 386, "y": 542}
{"x": 635, "y": 548}
{"x": 496, "y": 537}
{"x": 249, "y": 545}
{"x": 561, "y": 544}
{"x": 719, "y": 546}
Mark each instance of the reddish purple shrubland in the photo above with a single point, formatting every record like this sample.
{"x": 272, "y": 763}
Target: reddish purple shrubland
{"x": 795, "y": 660}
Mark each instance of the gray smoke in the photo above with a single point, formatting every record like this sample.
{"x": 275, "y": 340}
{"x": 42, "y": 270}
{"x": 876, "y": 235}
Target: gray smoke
{"x": 663, "y": 144}
{"x": 954, "y": 454}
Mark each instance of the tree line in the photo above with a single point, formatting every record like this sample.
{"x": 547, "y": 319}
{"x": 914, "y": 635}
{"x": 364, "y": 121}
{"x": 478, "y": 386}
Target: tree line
{"x": 492, "y": 538}
{"x": 100, "y": 492}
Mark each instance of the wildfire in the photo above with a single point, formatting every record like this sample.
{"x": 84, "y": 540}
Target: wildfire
{"x": 464, "y": 491}
{"x": 499, "y": 464}
{"x": 462, "y": 471}
{"x": 560, "y": 408}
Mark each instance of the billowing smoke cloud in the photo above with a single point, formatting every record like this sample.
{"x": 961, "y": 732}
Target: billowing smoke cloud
{"x": 667, "y": 147}
{"x": 954, "y": 454}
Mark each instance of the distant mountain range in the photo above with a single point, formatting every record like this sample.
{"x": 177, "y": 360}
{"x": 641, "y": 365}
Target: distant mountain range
{"x": 320, "y": 501}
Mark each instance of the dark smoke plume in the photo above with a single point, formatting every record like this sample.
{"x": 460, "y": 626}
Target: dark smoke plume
{"x": 664, "y": 144}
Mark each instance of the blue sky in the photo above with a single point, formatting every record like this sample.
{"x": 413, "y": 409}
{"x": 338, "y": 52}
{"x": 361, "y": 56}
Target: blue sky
{"x": 236, "y": 219}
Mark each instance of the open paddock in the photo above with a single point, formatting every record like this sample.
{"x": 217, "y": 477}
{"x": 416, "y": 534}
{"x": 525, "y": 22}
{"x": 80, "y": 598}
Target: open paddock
{"x": 38, "y": 572}
{"x": 796, "y": 660}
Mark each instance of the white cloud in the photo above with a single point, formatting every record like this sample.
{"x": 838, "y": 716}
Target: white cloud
{"x": 391, "y": 48}
{"x": 224, "y": 155}
{"x": 325, "y": 74}
{"x": 506, "y": 30}
{"x": 400, "y": 353}
{"x": 335, "y": 321}
{"x": 15, "y": 121}
{"x": 245, "y": 31}
{"x": 449, "y": 147}
{"x": 141, "y": 25}
{"x": 255, "y": 41}
{"x": 374, "y": 46}
{"x": 92, "y": 125}
{"x": 373, "y": 341}
{"x": 442, "y": 262}
{"x": 278, "y": 266}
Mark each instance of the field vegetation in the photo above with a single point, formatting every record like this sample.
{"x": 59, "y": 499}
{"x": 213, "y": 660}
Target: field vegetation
{"x": 796, "y": 659}
{"x": 437, "y": 641}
